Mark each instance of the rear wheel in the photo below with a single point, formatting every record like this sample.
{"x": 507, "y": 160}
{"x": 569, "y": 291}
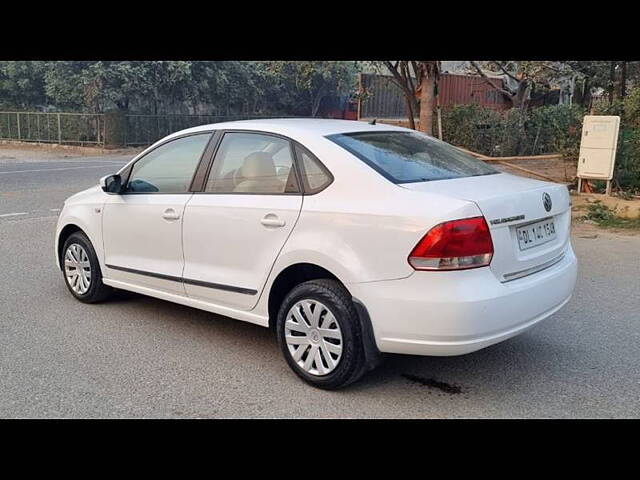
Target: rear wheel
{"x": 81, "y": 270}
{"x": 320, "y": 336}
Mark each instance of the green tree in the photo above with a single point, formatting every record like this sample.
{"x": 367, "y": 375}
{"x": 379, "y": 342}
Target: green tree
{"x": 301, "y": 85}
{"x": 96, "y": 86}
{"x": 22, "y": 84}
{"x": 225, "y": 87}
{"x": 291, "y": 88}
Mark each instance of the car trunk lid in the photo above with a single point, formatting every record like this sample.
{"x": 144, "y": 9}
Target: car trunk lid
{"x": 529, "y": 220}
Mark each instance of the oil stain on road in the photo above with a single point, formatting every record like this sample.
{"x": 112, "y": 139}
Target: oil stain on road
{"x": 432, "y": 383}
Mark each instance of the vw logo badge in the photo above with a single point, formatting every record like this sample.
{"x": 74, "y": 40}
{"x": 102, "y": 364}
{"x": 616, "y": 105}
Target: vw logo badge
{"x": 546, "y": 201}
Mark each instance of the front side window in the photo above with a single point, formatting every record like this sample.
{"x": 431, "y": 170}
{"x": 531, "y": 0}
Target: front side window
{"x": 168, "y": 168}
{"x": 252, "y": 163}
{"x": 405, "y": 157}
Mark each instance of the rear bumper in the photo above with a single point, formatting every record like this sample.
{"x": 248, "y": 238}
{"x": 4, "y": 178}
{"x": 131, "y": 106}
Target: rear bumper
{"x": 453, "y": 313}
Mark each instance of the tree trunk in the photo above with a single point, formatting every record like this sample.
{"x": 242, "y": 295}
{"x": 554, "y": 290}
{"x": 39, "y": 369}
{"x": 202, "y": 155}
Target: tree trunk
{"x": 315, "y": 102}
{"x": 410, "y": 113}
{"x": 426, "y": 103}
{"x": 521, "y": 98}
{"x": 612, "y": 81}
{"x": 623, "y": 80}
{"x": 586, "y": 94}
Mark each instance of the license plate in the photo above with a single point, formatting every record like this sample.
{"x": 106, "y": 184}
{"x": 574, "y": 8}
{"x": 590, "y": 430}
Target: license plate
{"x": 535, "y": 234}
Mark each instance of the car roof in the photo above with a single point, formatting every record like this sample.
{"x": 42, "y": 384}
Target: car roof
{"x": 299, "y": 127}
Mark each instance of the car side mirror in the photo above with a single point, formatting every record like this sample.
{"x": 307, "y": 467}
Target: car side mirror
{"x": 111, "y": 183}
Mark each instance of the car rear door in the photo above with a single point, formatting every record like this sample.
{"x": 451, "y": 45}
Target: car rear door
{"x": 235, "y": 227}
{"x": 142, "y": 226}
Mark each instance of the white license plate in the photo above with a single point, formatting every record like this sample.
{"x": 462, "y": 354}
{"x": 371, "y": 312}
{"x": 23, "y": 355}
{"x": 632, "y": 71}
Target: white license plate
{"x": 535, "y": 234}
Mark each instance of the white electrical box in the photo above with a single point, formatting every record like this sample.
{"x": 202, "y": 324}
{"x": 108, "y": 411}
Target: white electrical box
{"x": 598, "y": 147}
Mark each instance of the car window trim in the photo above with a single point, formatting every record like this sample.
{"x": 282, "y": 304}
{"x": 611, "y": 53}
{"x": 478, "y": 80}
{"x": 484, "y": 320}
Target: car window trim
{"x": 212, "y": 160}
{"x": 129, "y": 168}
{"x": 199, "y": 180}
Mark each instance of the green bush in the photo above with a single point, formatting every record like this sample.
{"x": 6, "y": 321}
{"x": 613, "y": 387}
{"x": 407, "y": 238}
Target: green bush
{"x": 605, "y": 217}
{"x": 551, "y": 129}
{"x": 555, "y": 129}
{"x": 602, "y": 107}
{"x": 627, "y": 170}
{"x": 471, "y": 127}
{"x": 631, "y": 114}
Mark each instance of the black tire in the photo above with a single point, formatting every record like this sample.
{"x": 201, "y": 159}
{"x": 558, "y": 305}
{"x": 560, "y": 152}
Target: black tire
{"x": 351, "y": 365}
{"x": 97, "y": 291}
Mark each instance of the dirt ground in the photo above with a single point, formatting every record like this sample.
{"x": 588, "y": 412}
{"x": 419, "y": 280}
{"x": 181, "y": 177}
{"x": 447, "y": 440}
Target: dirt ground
{"x": 589, "y": 229}
{"x": 622, "y": 208}
{"x": 37, "y": 152}
{"x": 563, "y": 171}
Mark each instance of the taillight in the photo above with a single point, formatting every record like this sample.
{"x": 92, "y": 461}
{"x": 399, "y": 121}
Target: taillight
{"x": 454, "y": 245}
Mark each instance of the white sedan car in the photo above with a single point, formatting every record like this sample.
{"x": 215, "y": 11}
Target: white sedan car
{"x": 347, "y": 239}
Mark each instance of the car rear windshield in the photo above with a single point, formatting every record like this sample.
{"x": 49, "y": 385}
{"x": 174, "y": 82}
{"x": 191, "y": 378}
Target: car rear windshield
{"x": 405, "y": 157}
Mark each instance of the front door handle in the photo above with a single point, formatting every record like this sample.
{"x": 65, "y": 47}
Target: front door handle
{"x": 170, "y": 214}
{"x": 272, "y": 220}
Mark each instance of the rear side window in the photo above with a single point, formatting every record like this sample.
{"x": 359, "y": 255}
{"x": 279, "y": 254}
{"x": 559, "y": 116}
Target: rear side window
{"x": 168, "y": 168}
{"x": 315, "y": 176}
{"x": 405, "y": 157}
{"x": 253, "y": 163}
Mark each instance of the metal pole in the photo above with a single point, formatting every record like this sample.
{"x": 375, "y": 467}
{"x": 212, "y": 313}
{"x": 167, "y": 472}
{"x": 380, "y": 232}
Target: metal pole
{"x": 18, "y": 118}
{"x": 59, "y": 131}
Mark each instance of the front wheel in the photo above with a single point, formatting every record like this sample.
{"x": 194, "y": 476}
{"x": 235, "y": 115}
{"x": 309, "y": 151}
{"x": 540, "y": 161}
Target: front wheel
{"x": 81, "y": 270}
{"x": 320, "y": 336}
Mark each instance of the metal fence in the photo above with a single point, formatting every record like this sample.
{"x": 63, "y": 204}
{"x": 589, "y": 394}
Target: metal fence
{"x": 386, "y": 99}
{"x": 95, "y": 128}
{"x": 146, "y": 129}
{"x": 69, "y": 128}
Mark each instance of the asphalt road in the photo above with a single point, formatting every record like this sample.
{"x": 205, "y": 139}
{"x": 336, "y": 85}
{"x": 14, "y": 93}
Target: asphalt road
{"x": 141, "y": 357}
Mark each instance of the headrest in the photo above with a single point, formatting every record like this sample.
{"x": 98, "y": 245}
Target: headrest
{"x": 258, "y": 164}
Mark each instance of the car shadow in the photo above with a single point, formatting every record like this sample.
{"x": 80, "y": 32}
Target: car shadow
{"x": 123, "y": 296}
{"x": 184, "y": 316}
{"x": 518, "y": 363}
{"x": 498, "y": 366}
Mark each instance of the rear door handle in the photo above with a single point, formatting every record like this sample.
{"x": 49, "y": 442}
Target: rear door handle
{"x": 170, "y": 214}
{"x": 272, "y": 220}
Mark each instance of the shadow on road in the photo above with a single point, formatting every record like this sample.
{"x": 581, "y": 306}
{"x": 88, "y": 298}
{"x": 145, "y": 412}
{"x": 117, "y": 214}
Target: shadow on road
{"x": 499, "y": 367}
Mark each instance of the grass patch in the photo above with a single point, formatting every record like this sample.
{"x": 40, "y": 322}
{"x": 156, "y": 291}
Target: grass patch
{"x": 603, "y": 216}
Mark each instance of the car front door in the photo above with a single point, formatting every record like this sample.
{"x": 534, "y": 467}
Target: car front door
{"x": 142, "y": 226}
{"x": 235, "y": 228}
